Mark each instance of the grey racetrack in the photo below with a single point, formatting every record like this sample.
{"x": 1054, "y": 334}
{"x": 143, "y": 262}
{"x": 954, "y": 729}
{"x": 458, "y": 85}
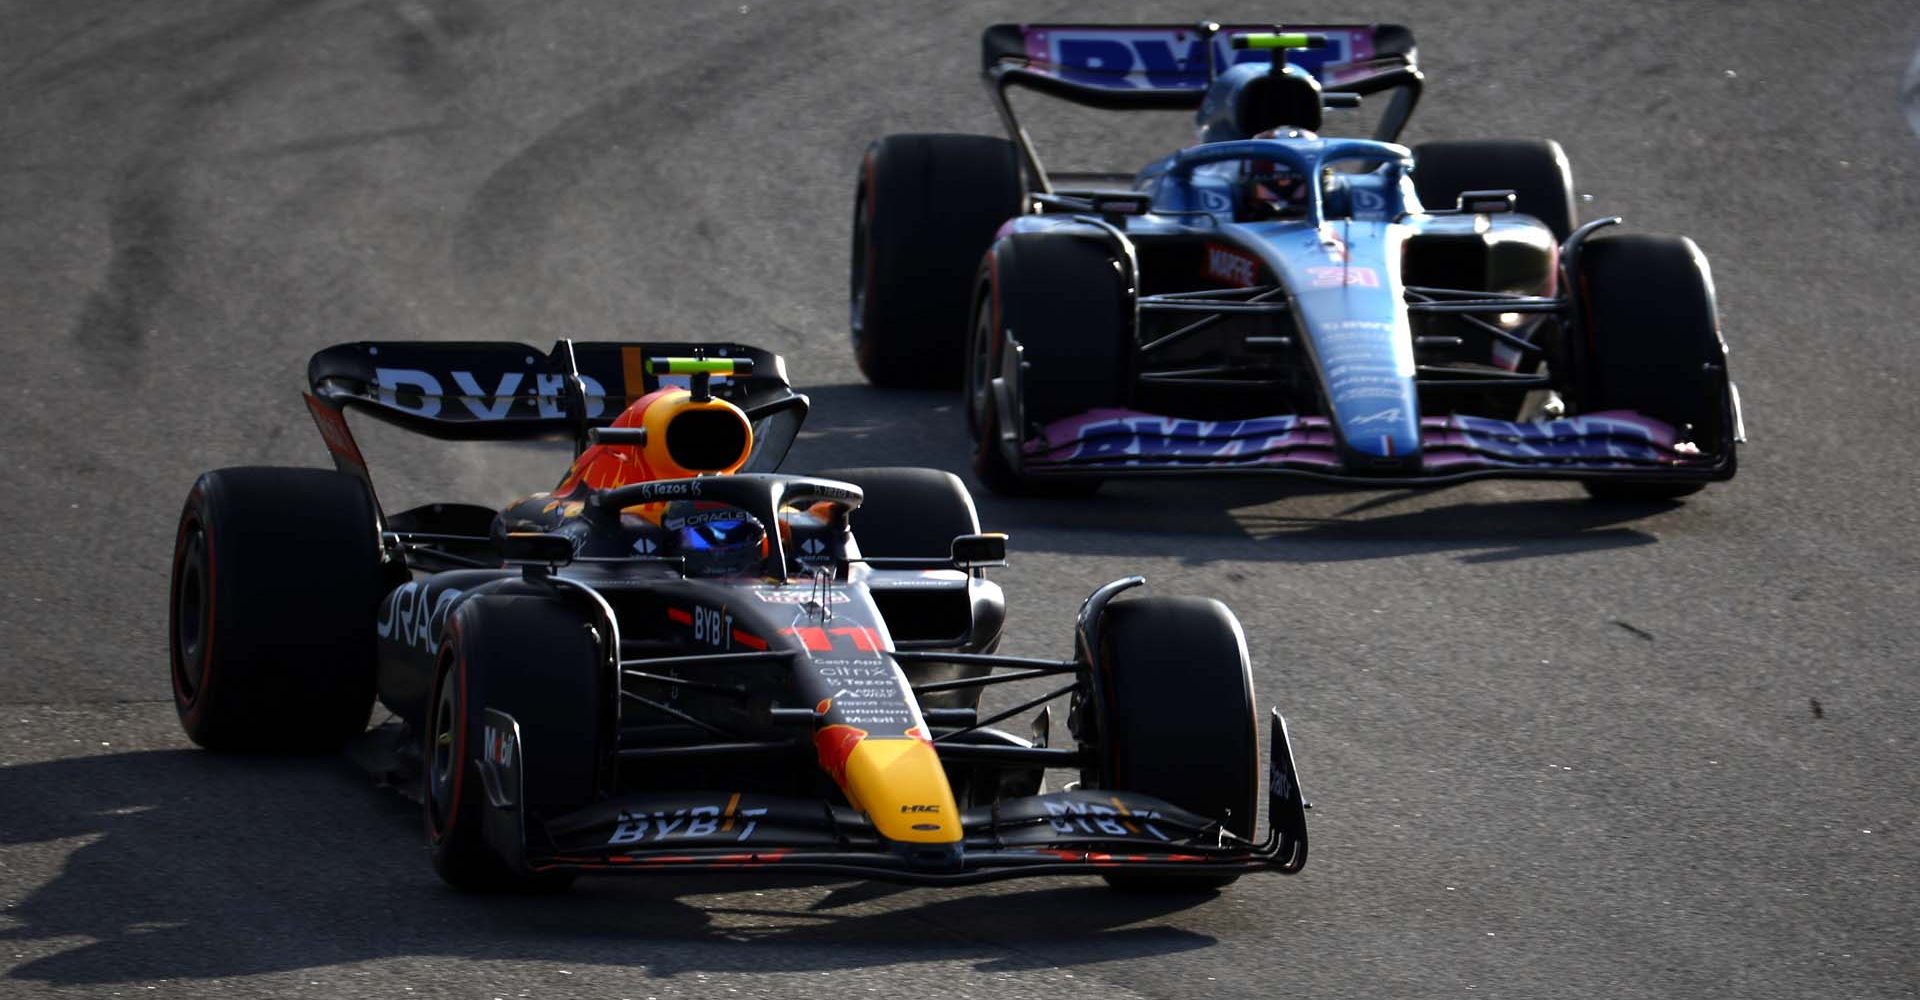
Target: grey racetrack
{"x": 1556, "y": 749}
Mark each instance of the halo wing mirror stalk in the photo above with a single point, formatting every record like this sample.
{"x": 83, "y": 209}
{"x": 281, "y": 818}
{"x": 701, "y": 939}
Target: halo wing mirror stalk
{"x": 971, "y": 552}
{"x": 533, "y": 548}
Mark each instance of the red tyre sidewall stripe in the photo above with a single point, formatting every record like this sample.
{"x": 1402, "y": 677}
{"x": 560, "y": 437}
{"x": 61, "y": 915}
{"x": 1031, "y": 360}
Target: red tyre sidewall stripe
{"x": 192, "y": 710}
{"x": 458, "y": 675}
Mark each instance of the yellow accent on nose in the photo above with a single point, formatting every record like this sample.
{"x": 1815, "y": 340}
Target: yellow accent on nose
{"x": 900, "y": 785}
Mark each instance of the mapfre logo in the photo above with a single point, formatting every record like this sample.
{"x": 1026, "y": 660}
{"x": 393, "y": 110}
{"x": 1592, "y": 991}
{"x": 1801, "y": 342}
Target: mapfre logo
{"x": 1230, "y": 266}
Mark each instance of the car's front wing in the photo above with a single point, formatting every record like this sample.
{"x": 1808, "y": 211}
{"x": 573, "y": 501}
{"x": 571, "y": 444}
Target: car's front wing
{"x": 1599, "y": 445}
{"x": 1074, "y": 832}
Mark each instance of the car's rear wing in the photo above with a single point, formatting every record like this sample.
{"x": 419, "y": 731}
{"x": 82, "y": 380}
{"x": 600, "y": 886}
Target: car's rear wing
{"x": 499, "y": 391}
{"x": 1170, "y": 66}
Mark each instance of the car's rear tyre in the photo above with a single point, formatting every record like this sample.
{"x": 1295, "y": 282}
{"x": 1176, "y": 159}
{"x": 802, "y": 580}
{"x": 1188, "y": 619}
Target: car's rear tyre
{"x": 1648, "y": 341}
{"x": 1536, "y": 170}
{"x": 925, "y": 208}
{"x": 272, "y": 609}
{"x": 536, "y": 660}
{"x": 909, "y": 513}
{"x": 1065, "y": 300}
{"x": 1180, "y": 717}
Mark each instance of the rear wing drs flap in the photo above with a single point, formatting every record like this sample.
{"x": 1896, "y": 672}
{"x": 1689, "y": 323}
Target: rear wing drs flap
{"x": 494, "y": 391}
{"x": 1170, "y": 66}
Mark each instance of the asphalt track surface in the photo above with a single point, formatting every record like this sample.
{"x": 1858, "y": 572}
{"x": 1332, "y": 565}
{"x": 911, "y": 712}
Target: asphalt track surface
{"x": 1557, "y": 748}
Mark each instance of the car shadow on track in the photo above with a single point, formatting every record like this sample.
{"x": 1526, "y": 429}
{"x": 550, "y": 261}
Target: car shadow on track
{"x": 189, "y": 865}
{"x": 1205, "y": 522}
{"x": 1202, "y": 520}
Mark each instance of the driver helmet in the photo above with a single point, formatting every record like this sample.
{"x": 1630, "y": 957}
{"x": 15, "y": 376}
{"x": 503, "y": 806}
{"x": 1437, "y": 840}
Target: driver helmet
{"x": 715, "y": 540}
{"x": 1270, "y": 189}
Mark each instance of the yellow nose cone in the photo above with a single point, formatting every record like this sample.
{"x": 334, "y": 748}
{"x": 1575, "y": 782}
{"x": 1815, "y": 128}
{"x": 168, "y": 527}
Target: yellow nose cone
{"x": 902, "y": 788}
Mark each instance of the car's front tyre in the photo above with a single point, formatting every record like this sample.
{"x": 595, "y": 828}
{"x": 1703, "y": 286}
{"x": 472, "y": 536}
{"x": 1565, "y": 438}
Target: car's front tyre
{"x": 1649, "y": 342}
{"x": 1180, "y": 718}
{"x": 534, "y": 659}
{"x": 1064, "y": 298}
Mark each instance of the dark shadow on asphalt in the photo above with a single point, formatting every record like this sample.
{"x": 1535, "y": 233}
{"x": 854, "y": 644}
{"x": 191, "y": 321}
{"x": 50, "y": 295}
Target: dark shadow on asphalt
{"x": 200, "y": 865}
{"x": 1203, "y": 520}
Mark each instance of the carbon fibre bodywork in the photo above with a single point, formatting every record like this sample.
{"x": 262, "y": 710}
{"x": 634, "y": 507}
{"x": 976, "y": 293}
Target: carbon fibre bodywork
{"x": 739, "y": 711}
{"x": 816, "y": 709}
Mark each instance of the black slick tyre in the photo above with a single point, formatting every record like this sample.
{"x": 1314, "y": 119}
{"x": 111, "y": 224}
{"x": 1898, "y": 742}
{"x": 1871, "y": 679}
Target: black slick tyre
{"x": 274, "y": 599}
{"x": 1180, "y": 717}
{"x": 534, "y": 659}
{"x": 909, "y": 513}
{"x": 1064, "y": 299}
{"x": 925, "y": 208}
{"x": 1536, "y": 170}
{"x": 1649, "y": 342}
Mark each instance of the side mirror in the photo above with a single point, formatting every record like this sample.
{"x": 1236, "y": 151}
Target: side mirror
{"x": 1111, "y": 203}
{"x": 535, "y": 547}
{"x": 972, "y": 552}
{"x": 1487, "y": 202}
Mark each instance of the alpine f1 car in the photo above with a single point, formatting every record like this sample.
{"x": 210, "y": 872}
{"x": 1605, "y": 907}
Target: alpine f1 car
{"x": 1271, "y": 301}
{"x": 680, "y": 659}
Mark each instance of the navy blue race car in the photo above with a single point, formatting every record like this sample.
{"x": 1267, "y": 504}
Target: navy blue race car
{"x": 681, "y": 659}
{"x": 1273, "y": 301}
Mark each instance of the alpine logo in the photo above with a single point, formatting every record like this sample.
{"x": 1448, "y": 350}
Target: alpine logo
{"x": 813, "y": 546}
{"x": 1368, "y": 204}
{"x": 1230, "y": 266}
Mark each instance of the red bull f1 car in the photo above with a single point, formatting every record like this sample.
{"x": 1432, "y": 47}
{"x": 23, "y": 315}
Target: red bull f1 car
{"x": 680, "y": 659}
{"x": 1271, "y": 301}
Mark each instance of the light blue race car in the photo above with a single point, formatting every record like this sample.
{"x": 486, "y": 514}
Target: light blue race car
{"x": 1271, "y": 301}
